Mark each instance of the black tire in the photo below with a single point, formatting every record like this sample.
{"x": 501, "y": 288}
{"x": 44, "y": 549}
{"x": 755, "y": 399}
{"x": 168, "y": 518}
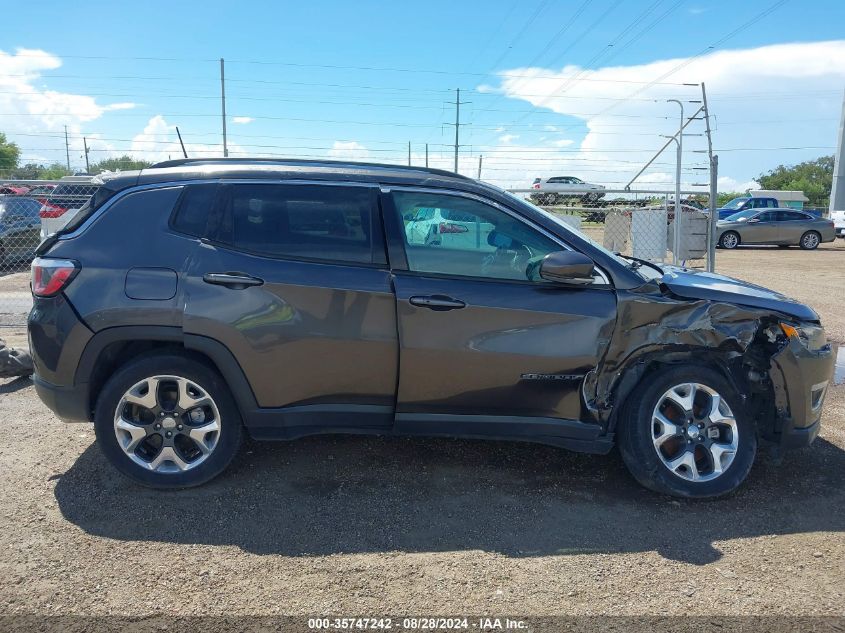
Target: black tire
{"x": 727, "y": 242}
{"x": 173, "y": 364}
{"x": 810, "y": 240}
{"x": 637, "y": 445}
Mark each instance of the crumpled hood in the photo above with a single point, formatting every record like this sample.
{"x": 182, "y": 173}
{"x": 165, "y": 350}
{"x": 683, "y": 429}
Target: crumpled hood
{"x": 710, "y": 286}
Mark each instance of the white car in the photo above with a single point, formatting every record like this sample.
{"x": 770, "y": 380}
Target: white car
{"x": 838, "y": 218}
{"x": 65, "y": 201}
{"x": 551, "y": 190}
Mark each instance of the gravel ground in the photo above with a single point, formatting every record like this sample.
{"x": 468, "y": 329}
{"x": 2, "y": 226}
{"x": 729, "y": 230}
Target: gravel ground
{"x": 351, "y": 525}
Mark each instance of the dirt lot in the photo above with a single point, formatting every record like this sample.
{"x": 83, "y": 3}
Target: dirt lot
{"x": 348, "y": 525}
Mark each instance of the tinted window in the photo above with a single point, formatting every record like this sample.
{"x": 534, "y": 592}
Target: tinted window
{"x": 768, "y": 216}
{"x": 792, "y": 215}
{"x": 19, "y": 208}
{"x": 194, "y": 209}
{"x": 326, "y": 223}
{"x": 471, "y": 239}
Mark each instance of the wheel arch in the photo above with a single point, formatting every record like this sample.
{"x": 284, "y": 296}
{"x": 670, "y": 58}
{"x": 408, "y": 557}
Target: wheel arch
{"x": 637, "y": 369}
{"x": 112, "y": 348}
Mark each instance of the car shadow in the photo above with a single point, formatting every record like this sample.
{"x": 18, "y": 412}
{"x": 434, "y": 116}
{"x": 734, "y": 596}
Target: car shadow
{"x": 348, "y": 494}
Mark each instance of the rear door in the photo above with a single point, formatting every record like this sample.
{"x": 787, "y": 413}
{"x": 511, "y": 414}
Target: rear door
{"x": 481, "y": 336}
{"x": 791, "y": 226}
{"x": 293, "y": 280}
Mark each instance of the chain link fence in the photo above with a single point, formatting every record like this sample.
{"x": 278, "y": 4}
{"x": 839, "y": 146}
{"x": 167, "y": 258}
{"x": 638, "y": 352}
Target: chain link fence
{"x": 30, "y": 210}
{"x": 637, "y": 223}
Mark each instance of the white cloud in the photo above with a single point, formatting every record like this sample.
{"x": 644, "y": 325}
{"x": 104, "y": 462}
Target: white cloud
{"x": 242, "y": 120}
{"x": 564, "y": 142}
{"x": 349, "y": 150}
{"x": 779, "y": 95}
{"x": 726, "y": 183}
{"x": 508, "y": 138}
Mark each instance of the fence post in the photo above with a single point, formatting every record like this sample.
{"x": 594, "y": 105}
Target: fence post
{"x": 711, "y": 221}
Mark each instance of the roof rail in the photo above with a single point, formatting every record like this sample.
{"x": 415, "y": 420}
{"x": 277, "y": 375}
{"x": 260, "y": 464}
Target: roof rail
{"x": 178, "y": 162}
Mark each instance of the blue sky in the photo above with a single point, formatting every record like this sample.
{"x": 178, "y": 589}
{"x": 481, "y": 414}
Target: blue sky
{"x": 554, "y": 87}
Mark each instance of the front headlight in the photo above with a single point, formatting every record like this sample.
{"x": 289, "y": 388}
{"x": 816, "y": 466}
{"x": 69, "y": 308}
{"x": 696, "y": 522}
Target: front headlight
{"x": 811, "y": 336}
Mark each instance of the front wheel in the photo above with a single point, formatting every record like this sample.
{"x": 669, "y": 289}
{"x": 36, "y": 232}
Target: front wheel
{"x": 684, "y": 433}
{"x": 810, "y": 240}
{"x": 729, "y": 240}
{"x": 167, "y": 421}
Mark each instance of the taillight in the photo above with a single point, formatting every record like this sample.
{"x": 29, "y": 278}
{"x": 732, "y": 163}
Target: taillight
{"x": 51, "y": 276}
{"x": 448, "y": 227}
{"x": 51, "y": 211}
{"x": 537, "y": 185}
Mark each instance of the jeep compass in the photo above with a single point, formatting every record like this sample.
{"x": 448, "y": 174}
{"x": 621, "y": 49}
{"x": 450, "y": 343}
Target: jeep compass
{"x": 201, "y": 299}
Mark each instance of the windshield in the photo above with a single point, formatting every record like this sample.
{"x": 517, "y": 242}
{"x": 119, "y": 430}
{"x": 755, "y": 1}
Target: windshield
{"x": 736, "y": 203}
{"x": 742, "y": 215}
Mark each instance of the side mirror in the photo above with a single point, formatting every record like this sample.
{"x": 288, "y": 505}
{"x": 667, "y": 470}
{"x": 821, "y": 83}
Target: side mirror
{"x": 567, "y": 267}
{"x": 753, "y": 220}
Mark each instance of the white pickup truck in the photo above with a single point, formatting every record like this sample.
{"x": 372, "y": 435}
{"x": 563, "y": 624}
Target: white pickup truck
{"x": 838, "y": 218}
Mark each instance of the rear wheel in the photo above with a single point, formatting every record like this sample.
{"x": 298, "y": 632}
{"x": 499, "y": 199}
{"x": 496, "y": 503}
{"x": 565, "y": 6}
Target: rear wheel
{"x": 729, "y": 240}
{"x": 684, "y": 433}
{"x": 167, "y": 421}
{"x": 810, "y": 240}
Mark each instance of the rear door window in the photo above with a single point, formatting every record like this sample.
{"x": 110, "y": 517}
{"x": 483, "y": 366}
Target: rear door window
{"x": 194, "y": 211}
{"x": 309, "y": 222}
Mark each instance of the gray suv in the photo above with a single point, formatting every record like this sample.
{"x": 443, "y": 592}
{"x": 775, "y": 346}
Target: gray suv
{"x": 197, "y": 300}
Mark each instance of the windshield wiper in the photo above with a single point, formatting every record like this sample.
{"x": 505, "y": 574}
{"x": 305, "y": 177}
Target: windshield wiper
{"x": 637, "y": 263}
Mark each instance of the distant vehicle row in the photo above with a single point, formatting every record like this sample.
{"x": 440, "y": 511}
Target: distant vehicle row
{"x": 781, "y": 227}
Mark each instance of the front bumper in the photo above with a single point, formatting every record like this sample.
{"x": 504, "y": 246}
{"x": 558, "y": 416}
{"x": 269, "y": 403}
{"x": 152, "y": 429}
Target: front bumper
{"x": 801, "y": 379}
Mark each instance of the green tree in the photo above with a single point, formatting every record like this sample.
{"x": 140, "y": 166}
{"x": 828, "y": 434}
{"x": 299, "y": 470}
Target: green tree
{"x": 9, "y": 153}
{"x": 726, "y": 196}
{"x": 124, "y": 163}
{"x": 33, "y": 171}
{"x": 813, "y": 177}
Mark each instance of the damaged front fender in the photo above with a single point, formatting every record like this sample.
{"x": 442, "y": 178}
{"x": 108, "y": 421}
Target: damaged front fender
{"x": 655, "y": 327}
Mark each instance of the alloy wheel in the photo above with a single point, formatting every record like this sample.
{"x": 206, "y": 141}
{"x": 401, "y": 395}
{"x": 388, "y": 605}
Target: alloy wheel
{"x": 810, "y": 240}
{"x": 167, "y": 424}
{"x": 729, "y": 240}
{"x": 694, "y": 432}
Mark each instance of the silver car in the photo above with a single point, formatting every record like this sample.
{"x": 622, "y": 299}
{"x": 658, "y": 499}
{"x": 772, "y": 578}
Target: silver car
{"x": 781, "y": 227}
{"x": 553, "y": 190}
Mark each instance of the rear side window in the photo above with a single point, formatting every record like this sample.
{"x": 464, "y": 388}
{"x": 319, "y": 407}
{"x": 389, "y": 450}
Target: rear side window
{"x": 311, "y": 222}
{"x": 194, "y": 211}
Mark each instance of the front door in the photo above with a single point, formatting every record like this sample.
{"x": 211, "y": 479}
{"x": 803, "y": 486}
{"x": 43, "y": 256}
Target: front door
{"x": 764, "y": 231}
{"x": 293, "y": 280}
{"x": 481, "y": 335}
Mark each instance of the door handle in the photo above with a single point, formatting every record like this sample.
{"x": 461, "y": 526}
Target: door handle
{"x": 437, "y": 302}
{"x": 236, "y": 281}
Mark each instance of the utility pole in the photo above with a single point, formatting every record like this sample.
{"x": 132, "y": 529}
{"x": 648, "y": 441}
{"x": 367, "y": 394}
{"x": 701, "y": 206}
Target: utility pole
{"x": 409, "y": 153}
{"x": 85, "y": 145}
{"x": 426, "y": 155}
{"x": 679, "y": 137}
{"x": 223, "y": 104}
{"x": 179, "y": 134}
{"x": 837, "y": 191}
{"x": 480, "y": 158}
{"x": 713, "y": 161}
{"x": 458, "y": 103}
{"x": 67, "y": 149}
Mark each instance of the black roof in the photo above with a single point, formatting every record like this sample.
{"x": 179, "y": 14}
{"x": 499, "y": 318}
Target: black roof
{"x": 275, "y": 168}
{"x": 287, "y": 163}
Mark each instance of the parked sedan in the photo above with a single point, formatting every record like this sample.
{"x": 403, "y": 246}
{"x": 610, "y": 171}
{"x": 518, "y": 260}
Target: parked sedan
{"x": 781, "y": 227}
{"x": 553, "y": 190}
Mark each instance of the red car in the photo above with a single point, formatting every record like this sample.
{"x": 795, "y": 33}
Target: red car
{"x": 13, "y": 190}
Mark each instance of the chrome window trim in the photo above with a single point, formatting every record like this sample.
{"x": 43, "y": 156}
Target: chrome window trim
{"x": 601, "y": 279}
{"x": 203, "y": 181}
